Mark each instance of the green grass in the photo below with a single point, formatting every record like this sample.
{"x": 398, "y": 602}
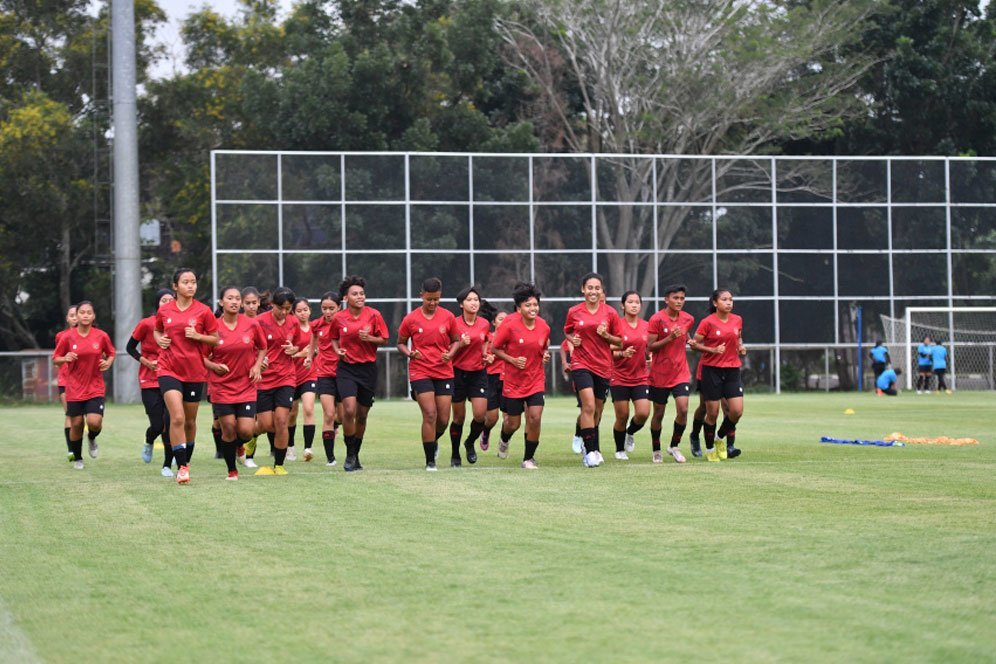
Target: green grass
{"x": 796, "y": 551}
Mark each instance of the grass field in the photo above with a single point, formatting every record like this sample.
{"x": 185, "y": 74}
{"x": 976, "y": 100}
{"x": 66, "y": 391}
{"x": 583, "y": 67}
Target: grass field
{"x": 795, "y": 551}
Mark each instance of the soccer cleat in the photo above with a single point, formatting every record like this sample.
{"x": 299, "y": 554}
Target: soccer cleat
{"x": 279, "y": 470}
{"x": 147, "y": 453}
{"x": 250, "y": 463}
{"x": 308, "y": 454}
{"x": 92, "y": 448}
{"x": 241, "y": 458}
{"x": 78, "y": 465}
{"x": 676, "y": 453}
{"x": 696, "y": 447}
{"x": 291, "y": 454}
{"x": 598, "y": 455}
{"x": 330, "y": 463}
{"x": 431, "y": 467}
{"x": 658, "y": 456}
{"x": 264, "y": 470}
{"x": 721, "y": 448}
{"x": 529, "y": 464}
{"x": 233, "y": 475}
{"x": 630, "y": 443}
{"x": 484, "y": 441}
{"x": 622, "y": 456}
{"x": 351, "y": 463}
{"x": 183, "y": 475}
{"x": 455, "y": 462}
{"x": 70, "y": 456}
{"x": 733, "y": 452}
{"x": 166, "y": 471}
{"x": 250, "y": 446}
{"x": 878, "y": 391}
{"x": 502, "y": 449}
{"x": 471, "y": 454}
{"x": 577, "y": 445}
{"x": 590, "y": 460}
{"x": 711, "y": 455}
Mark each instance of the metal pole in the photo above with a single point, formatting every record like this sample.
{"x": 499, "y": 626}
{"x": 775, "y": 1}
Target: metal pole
{"x": 861, "y": 357}
{"x": 127, "y": 250}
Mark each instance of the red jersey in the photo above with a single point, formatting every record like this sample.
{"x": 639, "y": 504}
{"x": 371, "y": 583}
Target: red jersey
{"x": 715, "y": 332}
{"x": 304, "y": 374}
{"x": 431, "y": 338}
{"x": 184, "y": 358}
{"x": 84, "y": 379}
{"x": 471, "y": 357}
{"x": 145, "y": 336}
{"x": 236, "y": 349}
{"x": 346, "y": 330}
{"x": 516, "y": 340}
{"x": 669, "y": 366}
{"x": 594, "y": 353}
{"x": 63, "y": 371}
{"x": 280, "y": 369}
{"x": 326, "y": 360}
{"x": 632, "y": 371}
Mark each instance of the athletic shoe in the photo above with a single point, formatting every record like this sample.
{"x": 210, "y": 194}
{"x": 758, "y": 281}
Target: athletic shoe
{"x": 711, "y": 455}
{"x": 264, "y": 470}
{"x": 471, "y": 454}
{"x": 455, "y": 462}
{"x": 948, "y": 392}
{"x": 70, "y": 456}
{"x": 878, "y": 391}
{"x": 696, "y": 447}
{"x": 926, "y": 391}
{"x": 330, "y": 463}
{"x": 279, "y": 470}
{"x": 166, "y": 471}
{"x": 622, "y": 456}
{"x": 590, "y": 460}
{"x": 676, "y": 453}
{"x": 241, "y": 458}
{"x": 250, "y": 463}
{"x": 291, "y": 454}
{"x": 658, "y": 456}
{"x": 721, "y": 448}
{"x": 431, "y": 467}
{"x": 250, "y": 446}
{"x": 308, "y": 454}
{"x": 529, "y": 464}
{"x": 183, "y": 475}
{"x": 598, "y": 455}
{"x": 350, "y": 464}
{"x": 93, "y": 449}
{"x": 577, "y": 445}
{"x": 919, "y": 391}
{"x": 233, "y": 475}
{"x": 147, "y": 452}
{"x": 484, "y": 441}
{"x": 630, "y": 443}
{"x": 502, "y": 449}
{"x": 733, "y": 452}
{"x": 78, "y": 465}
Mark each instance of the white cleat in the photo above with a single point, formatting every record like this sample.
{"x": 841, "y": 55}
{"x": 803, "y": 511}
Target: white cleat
{"x": 308, "y": 454}
{"x": 598, "y": 455}
{"x": 676, "y": 453}
{"x": 622, "y": 456}
{"x": 529, "y": 464}
{"x": 630, "y": 443}
{"x": 250, "y": 463}
{"x": 577, "y": 445}
{"x": 78, "y": 465}
{"x": 502, "y": 449}
{"x": 93, "y": 449}
{"x": 291, "y": 454}
{"x": 658, "y": 456}
{"x": 590, "y": 460}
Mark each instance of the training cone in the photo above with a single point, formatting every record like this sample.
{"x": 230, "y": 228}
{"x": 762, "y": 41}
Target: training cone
{"x": 849, "y": 411}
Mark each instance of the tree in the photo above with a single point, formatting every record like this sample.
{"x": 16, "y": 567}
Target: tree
{"x": 687, "y": 77}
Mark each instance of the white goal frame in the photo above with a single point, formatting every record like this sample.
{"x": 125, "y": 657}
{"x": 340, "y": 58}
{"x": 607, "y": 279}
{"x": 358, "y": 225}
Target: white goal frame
{"x": 950, "y": 311}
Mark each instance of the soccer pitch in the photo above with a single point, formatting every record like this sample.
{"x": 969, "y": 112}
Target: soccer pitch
{"x": 795, "y": 551}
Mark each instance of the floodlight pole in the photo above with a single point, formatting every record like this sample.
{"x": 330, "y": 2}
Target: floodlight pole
{"x": 127, "y": 283}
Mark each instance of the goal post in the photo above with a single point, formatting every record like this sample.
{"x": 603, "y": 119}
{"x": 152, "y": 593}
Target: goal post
{"x": 968, "y": 333}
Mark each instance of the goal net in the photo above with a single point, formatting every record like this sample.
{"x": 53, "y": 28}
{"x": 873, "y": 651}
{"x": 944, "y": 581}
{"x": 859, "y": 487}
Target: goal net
{"x": 968, "y": 333}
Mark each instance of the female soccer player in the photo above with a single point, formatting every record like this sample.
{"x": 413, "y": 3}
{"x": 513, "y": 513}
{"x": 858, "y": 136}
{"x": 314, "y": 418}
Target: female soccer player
{"x": 89, "y": 352}
{"x": 495, "y": 370}
{"x": 472, "y": 333}
{"x": 593, "y": 328}
{"x": 719, "y": 338}
{"x": 669, "y": 373}
{"x": 275, "y": 392}
{"x": 522, "y": 342}
{"x": 630, "y": 378}
{"x": 357, "y": 332}
{"x": 185, "y": 330}
{"x": 306, "y": 384}
{"x": 234, "y": 367}
{"x": 326, "y": 363}
{"x": 251, "y": 302}
{"x": 61, "y": 374}
{"x": 924, "y": 365}
{"x": 152, "y": 399}
{"x": 429, "y": 329}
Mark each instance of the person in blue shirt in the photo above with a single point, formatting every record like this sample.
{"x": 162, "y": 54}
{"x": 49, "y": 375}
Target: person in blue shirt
{"x": 886, "y": 383}
{"x": 880, "y": 358}
{"x": 924, "y": 365}
{"x": 939, "y": 360}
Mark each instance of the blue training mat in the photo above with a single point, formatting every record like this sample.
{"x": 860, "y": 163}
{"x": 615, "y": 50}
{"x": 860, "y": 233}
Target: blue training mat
{"x": 876, "y": 443}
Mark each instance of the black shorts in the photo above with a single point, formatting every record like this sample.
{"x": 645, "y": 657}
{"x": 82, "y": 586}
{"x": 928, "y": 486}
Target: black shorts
{"x": 470, "y": 384}
{"x": 326, "y": 385}
{"x": 583, "y": 379}
{"x": 878, "y": 367}
{"x": 94, "y": 406}
{"x": 358, "y": 381}
{"x": 494, "y": 391}
{"x": 515, "y": 406}
{"x": 192, "y": 392}
{"x": 306, "y": 386}
{"x": 273, "y": 398}
{"x": 629, "y": 392}
{"x": 940, "y": 372}
{"x": 443, "y": 387}
{"x": 152, "y": 399}
{"x": 721, "y": 383}
{"x": 925, "y": 369}
{"x": 239, "y": 410}
{"x": 660, "y": 395}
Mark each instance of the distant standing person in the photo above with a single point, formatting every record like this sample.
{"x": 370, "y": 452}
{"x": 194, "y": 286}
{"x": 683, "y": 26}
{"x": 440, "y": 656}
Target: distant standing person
{"x": 669, "y": 373}
{"x": 924, "y": 365}
{"x": 61, "y": 374}
{"x": 143, "y": 347}
{"x": 630, "y": 377}
{"x": 880, "y": 358}
{"x": 939, "y": 363}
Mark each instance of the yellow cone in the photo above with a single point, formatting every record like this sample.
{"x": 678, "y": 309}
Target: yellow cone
{"x": 849, "y": 411}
